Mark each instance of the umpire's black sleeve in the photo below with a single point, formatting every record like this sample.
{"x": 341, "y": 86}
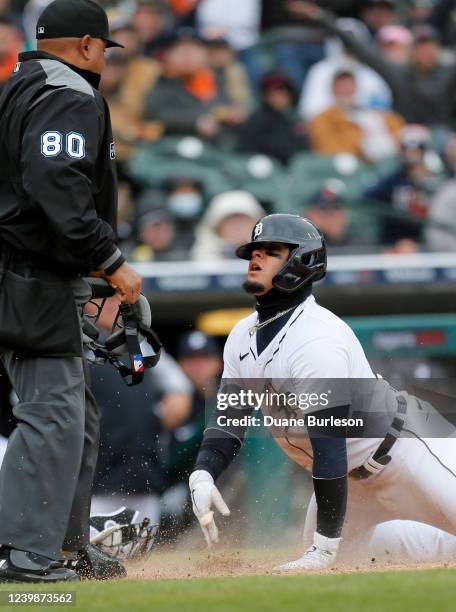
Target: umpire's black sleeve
{"x": 60, "y": 147}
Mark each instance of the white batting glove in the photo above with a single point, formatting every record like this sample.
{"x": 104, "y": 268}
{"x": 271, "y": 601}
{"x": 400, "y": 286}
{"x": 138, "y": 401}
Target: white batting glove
{"x": 205, "y": 494}
{"x": 318, "y": 557}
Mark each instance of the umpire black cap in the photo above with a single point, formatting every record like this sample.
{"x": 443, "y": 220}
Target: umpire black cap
{"x": 74, "y": 19}
{"x": 307, "y": 260}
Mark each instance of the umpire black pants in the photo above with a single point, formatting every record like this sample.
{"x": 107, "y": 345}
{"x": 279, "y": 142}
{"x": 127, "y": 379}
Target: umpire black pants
{"x": 47, "y": 472}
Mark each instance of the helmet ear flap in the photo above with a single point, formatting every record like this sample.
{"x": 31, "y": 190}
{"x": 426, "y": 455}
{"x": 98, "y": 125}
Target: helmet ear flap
{"x": 303, "y": 267}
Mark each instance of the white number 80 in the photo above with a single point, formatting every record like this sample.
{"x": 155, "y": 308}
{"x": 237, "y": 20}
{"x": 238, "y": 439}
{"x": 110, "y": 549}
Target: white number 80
{"x": 51, "y": 144}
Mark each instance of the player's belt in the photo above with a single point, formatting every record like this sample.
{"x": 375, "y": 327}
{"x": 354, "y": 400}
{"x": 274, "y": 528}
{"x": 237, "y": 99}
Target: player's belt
{"x": 380, "y": 459}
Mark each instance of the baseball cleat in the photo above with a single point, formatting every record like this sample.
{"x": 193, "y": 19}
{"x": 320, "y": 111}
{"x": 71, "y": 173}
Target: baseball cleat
{"x": 22, "y": 566}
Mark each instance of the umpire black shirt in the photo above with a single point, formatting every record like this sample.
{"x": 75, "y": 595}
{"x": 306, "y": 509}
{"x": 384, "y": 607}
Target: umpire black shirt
{"x": 58, "y": 185}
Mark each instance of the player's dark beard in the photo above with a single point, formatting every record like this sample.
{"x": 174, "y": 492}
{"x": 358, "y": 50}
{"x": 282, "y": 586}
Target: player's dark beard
{"x": 252, "y": 287}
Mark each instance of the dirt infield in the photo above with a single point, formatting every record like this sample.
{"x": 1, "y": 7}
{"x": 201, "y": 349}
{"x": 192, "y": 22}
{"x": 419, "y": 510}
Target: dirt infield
{"x": 241, "y": 562}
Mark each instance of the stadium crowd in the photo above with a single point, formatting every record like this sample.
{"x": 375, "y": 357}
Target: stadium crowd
{"x": 343, "y": 111}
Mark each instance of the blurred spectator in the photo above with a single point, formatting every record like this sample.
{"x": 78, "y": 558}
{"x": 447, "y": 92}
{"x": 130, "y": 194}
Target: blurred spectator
{"x": 185, "y": 98}
{"x": 238, "y": 22}
{"x": 185, "y": 199}
{"x": 346, "y": 228}
{"x": 377, "y": 14}
{"x": 296, "y": 47}
{"x": 328, "y": 211}
{"x": 370, "y": 134}
{"x": 10, "y": 46}
{"x": 152, "y": 25}
{"x": 438, "y": 13}
{"x": 395, "y": 42}
{"x": 155, "y": 228}
{"x": 406, "y": 192}
{"x": 421, "y": 87}
{"x": 184, "y": 12}
{"x": 200, "y": 358}
{"x": 128, "y": 470}
{"x": 317, "y": 95}
{"x": 125, "y": 82}
{"x": 227, "y": 223}
{"x": 441, "y": 224}
{"x": 273, "y": 129}
{"x": 232, "y": 81}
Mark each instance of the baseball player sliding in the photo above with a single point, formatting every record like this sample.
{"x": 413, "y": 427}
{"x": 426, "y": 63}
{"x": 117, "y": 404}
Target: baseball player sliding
{"x": 359, "y": 483}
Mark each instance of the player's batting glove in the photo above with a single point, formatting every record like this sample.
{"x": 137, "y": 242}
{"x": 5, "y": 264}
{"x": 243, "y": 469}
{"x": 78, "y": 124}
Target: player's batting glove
{"x": 318, "y": 557}
{"x": 205, "y": 494}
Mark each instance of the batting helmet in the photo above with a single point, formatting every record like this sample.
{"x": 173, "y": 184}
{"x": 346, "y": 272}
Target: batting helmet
{"x": 307, "y": 260}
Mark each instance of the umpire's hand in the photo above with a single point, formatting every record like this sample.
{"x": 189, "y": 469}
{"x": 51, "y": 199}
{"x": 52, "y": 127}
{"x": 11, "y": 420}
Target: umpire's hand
{"x": 127, "y": 283}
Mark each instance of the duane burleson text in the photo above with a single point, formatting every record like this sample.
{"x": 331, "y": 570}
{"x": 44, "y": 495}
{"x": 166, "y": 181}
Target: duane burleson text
{"x": 310, "y": 420}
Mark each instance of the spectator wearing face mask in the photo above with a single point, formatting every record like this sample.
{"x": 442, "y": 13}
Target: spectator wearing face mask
{"x": 226, "y": 224}
{"x": 344, "y": 127}
{"x": 185, "y": 200}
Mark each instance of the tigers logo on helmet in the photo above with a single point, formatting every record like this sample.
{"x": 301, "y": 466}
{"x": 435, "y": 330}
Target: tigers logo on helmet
{"x": 258, "y": 230}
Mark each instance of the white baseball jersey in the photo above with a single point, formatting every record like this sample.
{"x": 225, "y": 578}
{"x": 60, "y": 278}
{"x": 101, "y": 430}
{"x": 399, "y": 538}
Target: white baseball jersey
{"x": 419, "y": 483}
{"x": 313, "y": 344}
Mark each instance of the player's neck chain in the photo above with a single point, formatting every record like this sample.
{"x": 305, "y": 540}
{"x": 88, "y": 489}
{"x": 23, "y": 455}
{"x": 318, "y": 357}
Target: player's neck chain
{"x": 257, "y": 326}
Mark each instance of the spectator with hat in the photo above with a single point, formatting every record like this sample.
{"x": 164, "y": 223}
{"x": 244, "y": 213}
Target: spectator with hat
{"x": 274, "y": 129}
{"x": 329, "y": 209}
{"x": 200, "y": 359}
{"x": 228, "y": 220}
{"x": 405, "y": 193}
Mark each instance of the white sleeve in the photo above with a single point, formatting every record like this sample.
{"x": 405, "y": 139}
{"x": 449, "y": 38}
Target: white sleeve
{"x": 230, "y": 358}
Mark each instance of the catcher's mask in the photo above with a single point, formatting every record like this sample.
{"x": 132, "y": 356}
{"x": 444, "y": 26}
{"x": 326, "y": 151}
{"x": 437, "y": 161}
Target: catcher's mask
{"x": 120, "y": 535}
{"x": 130, "y": 336}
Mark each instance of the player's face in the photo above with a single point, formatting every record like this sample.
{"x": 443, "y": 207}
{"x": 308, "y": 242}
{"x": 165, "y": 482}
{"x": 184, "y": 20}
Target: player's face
{"x": 267, "y": 259}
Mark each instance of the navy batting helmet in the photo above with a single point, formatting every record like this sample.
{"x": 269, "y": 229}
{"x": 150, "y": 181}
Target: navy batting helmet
{"x": 307, "y": 260}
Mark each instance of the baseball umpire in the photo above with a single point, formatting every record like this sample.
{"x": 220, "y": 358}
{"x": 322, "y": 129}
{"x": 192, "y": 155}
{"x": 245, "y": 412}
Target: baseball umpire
{"x": 292, "y": 338}
{"x": 58, "y": 210}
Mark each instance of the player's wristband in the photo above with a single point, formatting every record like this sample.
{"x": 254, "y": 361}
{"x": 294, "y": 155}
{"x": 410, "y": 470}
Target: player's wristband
{"x": 216, "y": 455}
